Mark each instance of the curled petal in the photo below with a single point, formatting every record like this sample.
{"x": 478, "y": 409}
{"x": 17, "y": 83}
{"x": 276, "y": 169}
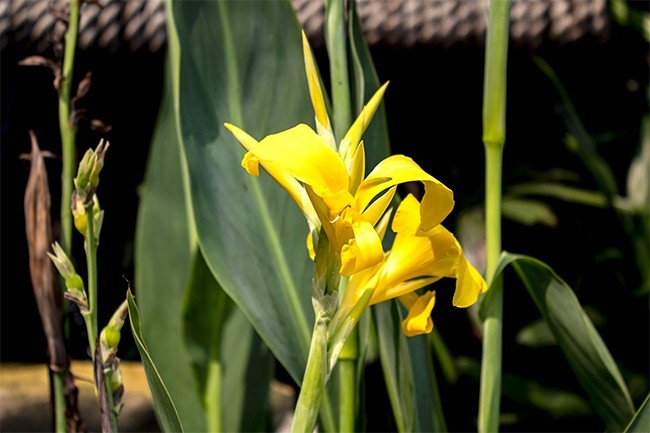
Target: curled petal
{"x": 469, "y": 284}
{"x": 363, "y": 250}
{"x": 418, "y": 320}
{"x": 438, "y": 200}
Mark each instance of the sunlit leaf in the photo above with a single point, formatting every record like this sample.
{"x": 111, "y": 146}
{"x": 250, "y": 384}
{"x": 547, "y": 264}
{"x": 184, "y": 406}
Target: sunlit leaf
{"x": 241, "y": 62}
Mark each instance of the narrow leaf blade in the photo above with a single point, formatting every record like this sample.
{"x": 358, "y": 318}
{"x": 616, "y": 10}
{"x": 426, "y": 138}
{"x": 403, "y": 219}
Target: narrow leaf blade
{"x": 163, "y": 404}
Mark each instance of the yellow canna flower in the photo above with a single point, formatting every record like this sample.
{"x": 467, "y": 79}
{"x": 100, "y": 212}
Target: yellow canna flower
{"x": 329, "y": 185}
{"x": 416, "y": 259}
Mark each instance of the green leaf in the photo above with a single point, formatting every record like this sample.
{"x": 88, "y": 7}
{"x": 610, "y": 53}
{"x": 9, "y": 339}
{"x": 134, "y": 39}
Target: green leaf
{"x": 163, "y": 258}
{"x": 563, "y": 192}
{"x": 231, "y": 366}
{"x": 641, "y": 421}
{"x": 366, "y": 83}
{"x": 429, "y": 416}
{"x": 557, "y": 403}
{"x": 396, "y": 364}
{"x": 241, "y": 62}
{"x": 528, "y": 212}
{"x": 163, "y": 404}
{"x": 577, "y": 337}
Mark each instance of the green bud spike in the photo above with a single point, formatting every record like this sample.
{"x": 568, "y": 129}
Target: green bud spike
{"x": 91, "y": 165}
{"x": 109, "y": 338}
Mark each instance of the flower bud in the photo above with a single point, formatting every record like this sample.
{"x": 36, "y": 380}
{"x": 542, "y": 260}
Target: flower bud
{"x": 75, "y": 291}
{"x": 80, "y": 218}
{"x": 91, "y": 165}
{"x": 109, "y": 338}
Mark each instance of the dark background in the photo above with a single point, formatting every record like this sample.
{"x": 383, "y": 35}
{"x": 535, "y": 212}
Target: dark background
{"x": 434, "y": 105}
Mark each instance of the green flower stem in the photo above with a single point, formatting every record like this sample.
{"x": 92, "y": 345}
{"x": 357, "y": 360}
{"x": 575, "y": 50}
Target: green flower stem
{"x": 111, "y": 404}
{"x": 313, "y": 382}
{"x": 494, "y": 105}
{"x": 68, "y": 130}
{"x": 91, "y": 263}
{"x": 336, "y": 41}
{"x": 58, "y": 380}
{"x": 348, "y": 383}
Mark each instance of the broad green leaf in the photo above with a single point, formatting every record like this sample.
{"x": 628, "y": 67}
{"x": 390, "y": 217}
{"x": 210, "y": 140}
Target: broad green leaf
{"x": 241, "y": 62}
{"x": 396, "y": 364}
{"x": 163, "y": 404}
{"x": 577, "y": 337}
{"x": 641, "y": 421}
{"x": 163, "y": 259}
{"x": 231, "y": 366}
{"x": 557, "y": 403}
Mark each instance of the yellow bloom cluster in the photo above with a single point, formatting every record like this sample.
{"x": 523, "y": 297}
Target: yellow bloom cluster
{"x": 330, "y": 185}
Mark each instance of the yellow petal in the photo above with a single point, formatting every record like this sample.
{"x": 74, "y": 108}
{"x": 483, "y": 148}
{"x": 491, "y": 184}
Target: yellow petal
{"x": 244, "y": 139}
{"x": 382, "y": 226}
{"x": 317, "y": 100}
{"x": 373, "y": 213}
{"x": 302, "y": 154}
{"x": 285, "y": 179}
{"x": 469, "y": 284}
{"x": 361, "y": 251}
{"x": 351, "y": 140}
{"x": 418, "y": 320}
{"x": 438, "y": 200}
{"x": 400, "y": 289}
{"x": 357, "y": 168}
{"x": 407, "y": 217}
{"x": 415, "y": 257}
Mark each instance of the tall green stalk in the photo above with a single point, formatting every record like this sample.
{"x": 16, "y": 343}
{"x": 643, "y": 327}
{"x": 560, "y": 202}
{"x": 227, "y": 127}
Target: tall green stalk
{"x": 494, "y": 136}
{"x": 67, "y": 129}
{"x": 91, "y": 263}
{"x": 336, "y": 40}
{"x": 313, "y": 383}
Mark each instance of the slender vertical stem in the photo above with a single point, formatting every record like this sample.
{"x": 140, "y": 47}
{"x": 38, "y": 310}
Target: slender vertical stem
{"x": 58, "y": 380}
{"x": 335, "y": 38}
{"x": 109, "y": 390}
{"x": 313, "y": 383}
{"x": 494, "y": 104}
{"x": 91, "y": 263}
{"x": 348, "y": 383}
{"x": 67, "y": 129}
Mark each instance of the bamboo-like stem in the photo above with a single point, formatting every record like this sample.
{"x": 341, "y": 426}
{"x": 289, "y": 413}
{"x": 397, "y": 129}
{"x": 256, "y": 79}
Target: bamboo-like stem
{"x": 109, "y": 390}
{"x": 58, "y": 381}
{"x": 348, "y": 383}
{"x": 90, "y": 246}
{"x": 494, "y": 104}
{"x": 336, "y": 41}
{"x": 313, "y": 383}
{"x": 67, "y": 129}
